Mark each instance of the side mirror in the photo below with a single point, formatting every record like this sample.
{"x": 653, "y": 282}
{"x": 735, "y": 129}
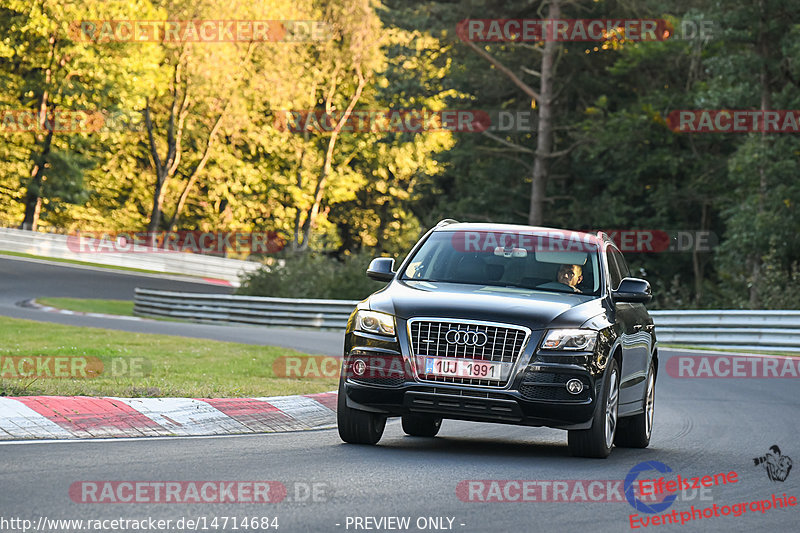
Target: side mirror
{"x": 632, "y": 290}
{"x": 381, "y": 269}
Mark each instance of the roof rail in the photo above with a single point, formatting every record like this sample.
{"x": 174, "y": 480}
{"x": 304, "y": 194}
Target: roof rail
{"x": 604, "y": 236}
{"x": 446, "y": 221}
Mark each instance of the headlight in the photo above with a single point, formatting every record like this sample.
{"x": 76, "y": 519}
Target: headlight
{"x": 570, "y": 340}
{"x": 374, "y": 322}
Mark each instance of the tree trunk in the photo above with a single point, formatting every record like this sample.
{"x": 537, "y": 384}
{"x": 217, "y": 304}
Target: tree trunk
{"x": 32, "y": 200}
{"x": 544, "y": 101}
{"x": 544, "y": 137}
{"x": 298, "y": 215}
{"x": 158, "y": 201}
{"x": 319, "y": 189}
{"x": 197, "y": 170}
{"x": 179, "y": 108}
{"x": 698, "y": 263}
{"x": 762, "y": 46}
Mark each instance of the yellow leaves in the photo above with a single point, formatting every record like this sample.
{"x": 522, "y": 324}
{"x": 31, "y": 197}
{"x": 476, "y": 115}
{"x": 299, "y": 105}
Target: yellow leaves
{"x": 658, "y": 118}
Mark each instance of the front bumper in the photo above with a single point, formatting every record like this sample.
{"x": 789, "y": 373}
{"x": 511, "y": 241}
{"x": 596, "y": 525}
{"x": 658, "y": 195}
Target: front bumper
{"x": 535, "y": 395}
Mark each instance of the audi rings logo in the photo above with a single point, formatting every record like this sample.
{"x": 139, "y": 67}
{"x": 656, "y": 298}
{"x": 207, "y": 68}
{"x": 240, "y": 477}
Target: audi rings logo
{"x": 465, "y": 338}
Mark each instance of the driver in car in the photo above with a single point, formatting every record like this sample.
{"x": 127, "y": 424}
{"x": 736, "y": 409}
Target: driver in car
{"x": 567, "y": 279}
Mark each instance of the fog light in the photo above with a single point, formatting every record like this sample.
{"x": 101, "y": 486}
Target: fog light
{"x": 574, "y": 386}
{"x": 359, "y": 366}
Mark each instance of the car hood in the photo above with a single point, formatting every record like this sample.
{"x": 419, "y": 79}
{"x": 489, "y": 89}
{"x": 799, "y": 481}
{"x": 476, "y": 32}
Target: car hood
{"x": 526, "y": 307}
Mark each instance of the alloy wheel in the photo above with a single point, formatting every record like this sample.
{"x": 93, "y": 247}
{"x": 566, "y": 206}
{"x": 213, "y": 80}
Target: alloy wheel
{"x": 611, "y": 408}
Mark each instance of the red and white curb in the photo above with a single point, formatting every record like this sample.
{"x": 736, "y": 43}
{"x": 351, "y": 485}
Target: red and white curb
{"x": 80, "y": 417}
{"x": 33, "y": 304}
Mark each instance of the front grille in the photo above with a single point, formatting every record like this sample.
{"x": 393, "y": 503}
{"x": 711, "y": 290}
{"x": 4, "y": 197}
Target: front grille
{"x": 388, "y": 381}
{"x": 463, "y": 392}
{"x": 503, "y": 344}
{"x": 464, "y": 406}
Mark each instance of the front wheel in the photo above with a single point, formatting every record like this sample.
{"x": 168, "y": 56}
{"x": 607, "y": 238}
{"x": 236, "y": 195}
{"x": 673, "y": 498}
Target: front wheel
{"x": 598, "y": 440}
{"x": 357, "y": 427}
{"x": 635, "y": 431}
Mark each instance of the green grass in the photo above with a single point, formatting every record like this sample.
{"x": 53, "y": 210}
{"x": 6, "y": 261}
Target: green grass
{"x": 741, "y": 350}
{"x": 88, "y": 263}
{"x": 172, "y": 366}
{"x": 88, "y": 305}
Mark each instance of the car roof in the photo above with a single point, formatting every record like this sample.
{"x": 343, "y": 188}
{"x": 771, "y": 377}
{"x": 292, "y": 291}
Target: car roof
{"x": 452, "y": 225}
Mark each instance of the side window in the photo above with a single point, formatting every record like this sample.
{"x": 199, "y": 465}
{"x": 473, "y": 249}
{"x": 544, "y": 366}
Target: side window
{"x": 621, "y": 265}
{"x": 613, "y": 270}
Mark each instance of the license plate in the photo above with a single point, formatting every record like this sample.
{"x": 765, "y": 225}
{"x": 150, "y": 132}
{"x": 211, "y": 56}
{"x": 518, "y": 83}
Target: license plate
{"x": 463, "y": 368}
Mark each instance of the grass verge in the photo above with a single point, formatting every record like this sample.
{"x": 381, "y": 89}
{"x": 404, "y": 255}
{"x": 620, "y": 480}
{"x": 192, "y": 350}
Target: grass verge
{"x": 141, "y": 365}
{"x": 88, "y": 305}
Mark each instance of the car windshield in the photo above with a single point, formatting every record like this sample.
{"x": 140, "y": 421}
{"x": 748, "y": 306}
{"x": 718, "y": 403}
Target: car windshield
{"x": 546, "y": 260}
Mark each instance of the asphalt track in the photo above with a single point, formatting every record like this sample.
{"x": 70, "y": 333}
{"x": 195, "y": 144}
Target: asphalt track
{"x": 23, "y": 279}
{"x": 702, "y": 427}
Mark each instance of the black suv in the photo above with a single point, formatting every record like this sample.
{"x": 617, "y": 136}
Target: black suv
{"x": 500, "y": 323}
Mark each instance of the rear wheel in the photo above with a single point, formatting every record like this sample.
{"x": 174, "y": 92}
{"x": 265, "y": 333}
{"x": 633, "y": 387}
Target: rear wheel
{"x": 421, "y": 425}
{"x": 357, "y": 427}
{"x": 598, "y": 440}
{"x": 635, "y": 431}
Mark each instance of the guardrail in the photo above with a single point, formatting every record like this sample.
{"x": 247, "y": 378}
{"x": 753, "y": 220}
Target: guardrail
{"x": 244, "y": 309}
{"x": 55, "y": 245}
{"x": 764, "y": 330}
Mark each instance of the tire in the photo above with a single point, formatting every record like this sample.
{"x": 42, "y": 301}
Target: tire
{"x": 421, "y": 425}
{"x": 357, "y": 427}
{"x": 635, "y": 431}
{"x": 599, "y": 439}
